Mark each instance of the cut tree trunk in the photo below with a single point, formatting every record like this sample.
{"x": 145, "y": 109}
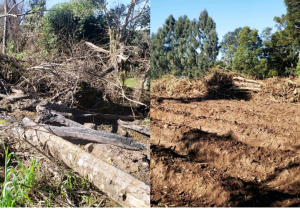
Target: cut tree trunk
{"x": 134, "y": 127}
{"x": 47, "y": 116}
{"x": 106, "y": 116}
{"x": 91, "y": 135}
{"x": 77, "y": 131}
{"x": 248, "y": 80}
{"x": 76, "y": 113}
{"x": 120, "y": 186}
{"x": 247, "y": 84}
{"x": 242, "y": 89}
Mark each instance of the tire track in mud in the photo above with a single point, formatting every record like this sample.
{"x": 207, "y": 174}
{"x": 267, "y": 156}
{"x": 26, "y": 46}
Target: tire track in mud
{"x": 198, "y": 157}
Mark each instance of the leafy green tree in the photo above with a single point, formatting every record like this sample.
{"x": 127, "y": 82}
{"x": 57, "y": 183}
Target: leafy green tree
{"x": 33, "y": 21}
{"x": 208, "y": 40}
{"x": 293, "y": 25}
{"x": 184, "y": 54}
{"x": 249, "y": 58}
{"x": 282, "y": 57}
{"x": 184, "y": 47}
{"x": 266, "y": 34}
{"x": 229, "y": 46}
{"x": 280, "y": 51}
{"x": 67, "y": 23}
{"x": 162, "y": 55}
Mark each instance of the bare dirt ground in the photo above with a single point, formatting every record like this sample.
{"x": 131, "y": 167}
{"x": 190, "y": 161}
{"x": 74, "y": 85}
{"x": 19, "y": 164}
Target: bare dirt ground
{"x": 212, "y": 147}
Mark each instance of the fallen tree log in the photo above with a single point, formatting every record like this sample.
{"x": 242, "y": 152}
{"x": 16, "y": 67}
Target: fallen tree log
{"x": 120, "y": 186}
{"x": 248, "y": 80}
{"x": 46, "y": 115}
{"x": 91, "y": 135}
{"x": 242, "y": 89}
{"x": 77, "y": 131}
{"x": 31, "y": 106}
{"x": 246, "y": 84}
{"x": 76, "y": 113}
{"x": 106, "y": 116}
{"x": 134, "y": 127}
{"x": 16, "y": 96}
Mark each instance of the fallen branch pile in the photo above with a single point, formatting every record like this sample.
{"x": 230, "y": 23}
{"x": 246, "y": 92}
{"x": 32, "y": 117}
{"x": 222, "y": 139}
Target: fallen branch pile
{"x": 63, "y": 91}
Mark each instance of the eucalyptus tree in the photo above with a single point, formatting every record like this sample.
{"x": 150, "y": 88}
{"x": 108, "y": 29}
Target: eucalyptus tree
{"x": 181, "y": 61}
{"x": 208, "y": 42}
{"x": 162, "y": 54}
{"x": 229, "y": 46}
{"x": 184, "y": 47}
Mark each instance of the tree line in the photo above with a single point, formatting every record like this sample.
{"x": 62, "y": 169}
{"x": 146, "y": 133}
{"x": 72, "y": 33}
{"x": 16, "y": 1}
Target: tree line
{"x": 189, "y": 48}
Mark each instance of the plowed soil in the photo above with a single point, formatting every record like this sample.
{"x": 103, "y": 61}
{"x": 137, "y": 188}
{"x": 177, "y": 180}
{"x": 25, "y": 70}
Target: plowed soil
{"x": 239, "y": 150}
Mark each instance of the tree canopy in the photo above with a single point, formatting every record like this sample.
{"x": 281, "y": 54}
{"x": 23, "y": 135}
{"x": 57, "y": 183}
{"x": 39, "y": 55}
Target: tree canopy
{"x": 184, "y": 47}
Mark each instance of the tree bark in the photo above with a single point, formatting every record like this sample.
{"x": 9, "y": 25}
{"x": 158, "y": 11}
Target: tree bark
{"x": 241, "y": 89}
{"x": 134, "y": 127}
{"x": 120, "y": 186}
{"x": 91, "y": 135}
{"x": 76, "y": 113}
{"x": 107, "y": 116}
{"x": 248, "y": 80}
{"x": 77, "y": 131}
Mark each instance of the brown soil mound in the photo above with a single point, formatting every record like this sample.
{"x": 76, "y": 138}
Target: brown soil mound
{"x": 215, "y": 86}
{"x": 226, "y": 151}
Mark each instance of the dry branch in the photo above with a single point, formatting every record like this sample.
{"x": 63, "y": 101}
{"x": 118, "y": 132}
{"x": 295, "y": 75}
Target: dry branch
{"x": 99, "y": 49}
{"x": 104, "y": 73}
{"x": 120, "y": 186}
{"x": 52, "y": 71}
{"x": 134, "y": 127}
{"x": 16, "y": 96}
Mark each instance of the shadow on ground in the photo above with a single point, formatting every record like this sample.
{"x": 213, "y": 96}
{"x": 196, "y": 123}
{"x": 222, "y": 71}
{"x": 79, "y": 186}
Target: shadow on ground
{"x": 209, "y": 148}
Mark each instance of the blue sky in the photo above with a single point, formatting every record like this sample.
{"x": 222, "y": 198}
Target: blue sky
{"x": 227, "y": 14}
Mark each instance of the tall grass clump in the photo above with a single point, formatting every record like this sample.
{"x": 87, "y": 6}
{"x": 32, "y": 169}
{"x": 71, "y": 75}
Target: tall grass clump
{"x": 17, "y": 183}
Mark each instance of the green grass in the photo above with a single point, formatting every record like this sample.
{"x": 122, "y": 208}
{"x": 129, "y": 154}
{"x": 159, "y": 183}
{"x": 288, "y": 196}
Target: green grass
{"x": 17, "y": 183}
{"x": 146, "y": 119}
{"x": 132, "y": 82}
